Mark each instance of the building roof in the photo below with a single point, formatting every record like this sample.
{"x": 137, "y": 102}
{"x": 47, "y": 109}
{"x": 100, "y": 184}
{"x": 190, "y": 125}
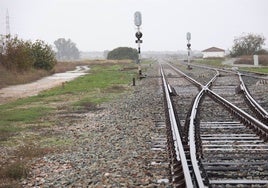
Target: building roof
{"x": 213, "y": 49}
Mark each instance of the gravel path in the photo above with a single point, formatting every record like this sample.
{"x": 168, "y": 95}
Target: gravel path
{"x": 113, "y": 146}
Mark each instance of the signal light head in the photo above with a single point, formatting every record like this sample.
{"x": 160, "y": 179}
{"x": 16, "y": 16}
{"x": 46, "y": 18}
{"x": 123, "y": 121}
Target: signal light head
{"x": 138, "y": 35}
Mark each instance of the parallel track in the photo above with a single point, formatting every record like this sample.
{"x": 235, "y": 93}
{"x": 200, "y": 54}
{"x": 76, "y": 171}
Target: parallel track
{"x": 220, "y": 148}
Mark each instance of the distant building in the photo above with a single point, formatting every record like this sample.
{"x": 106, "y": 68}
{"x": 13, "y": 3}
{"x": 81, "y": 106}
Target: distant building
{"x": 213, "y": 52}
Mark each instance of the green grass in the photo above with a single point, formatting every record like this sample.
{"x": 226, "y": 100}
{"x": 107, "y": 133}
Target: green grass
{"x": 211, "y": 62}
{"x": 99, "y": 78}
{"x": 97, "y": 87}
{"x": 13, "y": 120}
{"x": 255, "y": 69}
{"x": 24, "y": 115}
{"x": 102, "y": 84}
{"x": 54, "y": 142}
{"x": 27, "y": 125}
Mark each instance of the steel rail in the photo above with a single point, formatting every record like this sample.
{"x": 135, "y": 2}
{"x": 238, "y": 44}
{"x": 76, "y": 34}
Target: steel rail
{"x": 192, "y": 141}
{"x": 213, "y": 68}
{"x": 240, "y": 113}
{"x": 252, "y": 102}
{"x": 245, "y": 117}
{"x": 196, "y": 170}
{"x": 259, "y": 126}
{"x": 193, "y": 81}
{"x": 208, "y": 85}
{"x": 262, "y": 112}
{"x": 247, "y": 73}
{"x": 180, "y": 153}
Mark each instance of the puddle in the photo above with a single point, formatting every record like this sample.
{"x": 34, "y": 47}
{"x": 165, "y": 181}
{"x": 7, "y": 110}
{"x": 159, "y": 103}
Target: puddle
{"x": 31, "y": 89}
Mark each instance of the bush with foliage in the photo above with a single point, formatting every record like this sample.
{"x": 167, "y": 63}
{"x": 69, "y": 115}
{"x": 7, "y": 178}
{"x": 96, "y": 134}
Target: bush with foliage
{"x": 123, "y": 53}
{"x": 44, "y": 57}
{"x": 19, "y": 55}
{"x": 248, "y": 44}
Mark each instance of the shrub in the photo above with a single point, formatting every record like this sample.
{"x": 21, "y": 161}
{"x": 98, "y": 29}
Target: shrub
{"x": 17, "y": 170}
{"x": 44, "y": 57}
{"x": 123, "y": 53}
{"x": 19, "y": 55}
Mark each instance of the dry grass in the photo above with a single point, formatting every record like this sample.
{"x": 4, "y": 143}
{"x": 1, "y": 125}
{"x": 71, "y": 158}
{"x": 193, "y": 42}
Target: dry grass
{"x": 263, "y": 60}
{"x": 14, "y": 165}
{"x": 15, "y": 168}
{"x": 68, "y": 65}
{"x": 12, "y": 78}
{"x": 8, "y": 78}
{"x": 248, "y": 60}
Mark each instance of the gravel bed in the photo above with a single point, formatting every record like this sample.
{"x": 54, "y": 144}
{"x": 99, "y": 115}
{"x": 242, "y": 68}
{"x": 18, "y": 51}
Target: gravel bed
{"x": 113, "y": 146}
{"x": 258, "y": 88}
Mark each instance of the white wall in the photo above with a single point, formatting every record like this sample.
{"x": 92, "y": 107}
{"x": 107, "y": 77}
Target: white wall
{"x": 213, "y": 54}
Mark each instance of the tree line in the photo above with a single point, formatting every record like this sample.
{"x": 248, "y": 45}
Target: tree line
{"x": 20, "y": 55}
{"x": 246, "y": 44}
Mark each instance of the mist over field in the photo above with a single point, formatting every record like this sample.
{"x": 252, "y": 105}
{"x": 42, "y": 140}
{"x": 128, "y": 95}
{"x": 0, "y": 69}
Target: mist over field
{"x": 99, "y": 25}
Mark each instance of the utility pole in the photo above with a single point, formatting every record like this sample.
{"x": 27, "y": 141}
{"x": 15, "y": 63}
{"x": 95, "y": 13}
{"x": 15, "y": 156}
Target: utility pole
{"x": 6, "y": 37}
{"x": 137, "y": 21}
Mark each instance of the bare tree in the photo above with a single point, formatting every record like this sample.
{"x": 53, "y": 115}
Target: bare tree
{"x": 66, "y": 49}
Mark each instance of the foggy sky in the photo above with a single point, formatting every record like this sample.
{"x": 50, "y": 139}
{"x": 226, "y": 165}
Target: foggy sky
{"x": 97, "y": 25}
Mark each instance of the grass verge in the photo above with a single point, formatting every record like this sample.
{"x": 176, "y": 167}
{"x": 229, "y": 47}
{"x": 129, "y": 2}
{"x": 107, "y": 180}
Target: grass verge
{"x": 27, "y": 125}
{"x": 102, "y": 84}
{"x": 262, "y": 70}
{"x": 217, "y": 62}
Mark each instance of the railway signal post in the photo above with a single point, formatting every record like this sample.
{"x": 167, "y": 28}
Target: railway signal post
{"x": 137, "y": 22}
{"x": 188, "y": 37}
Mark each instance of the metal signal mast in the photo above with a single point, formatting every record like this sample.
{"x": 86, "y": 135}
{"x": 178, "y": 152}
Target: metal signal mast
{"x": 7, "y": 25}
{"x": 188, "y": 37}
{"x": 137, "y": 22}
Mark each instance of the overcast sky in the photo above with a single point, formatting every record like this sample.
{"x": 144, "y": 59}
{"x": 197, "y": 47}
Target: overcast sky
{"x": 97, "y": 25}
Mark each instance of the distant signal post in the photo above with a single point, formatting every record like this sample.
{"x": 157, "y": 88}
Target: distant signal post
{"x": 188, "y": 37}
{"x": 137, "y": 22}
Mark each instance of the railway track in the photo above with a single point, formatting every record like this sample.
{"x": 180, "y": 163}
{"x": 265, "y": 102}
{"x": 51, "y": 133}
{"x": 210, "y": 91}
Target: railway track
{"x": 215, "y": 140}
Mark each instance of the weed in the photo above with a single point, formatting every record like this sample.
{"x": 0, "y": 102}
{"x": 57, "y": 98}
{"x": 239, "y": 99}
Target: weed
{"x": 31, "y": 151}
{"x": 16, "y": 170}
{"x": 85, "y": 106}
{"x": 115, "y": 89}
{"x": 5, "y": 134}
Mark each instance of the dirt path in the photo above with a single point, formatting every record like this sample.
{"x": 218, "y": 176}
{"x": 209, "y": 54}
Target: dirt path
{"x": 20, "y": 91}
